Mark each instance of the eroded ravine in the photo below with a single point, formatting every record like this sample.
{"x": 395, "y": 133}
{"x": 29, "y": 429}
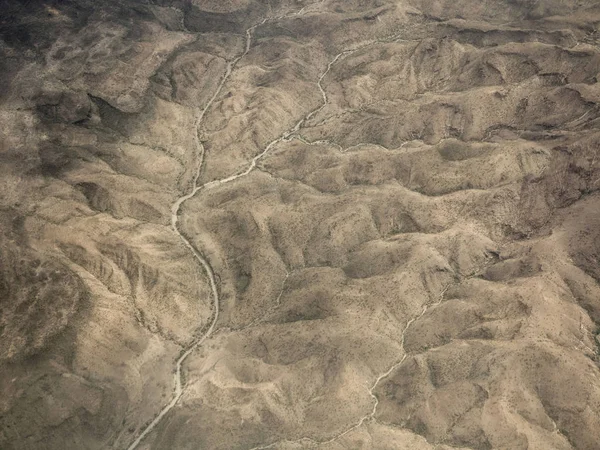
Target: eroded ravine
{"x": 176, "y": 208}
{"x": 291, "y": 133}
{"x": 370, "y": 416}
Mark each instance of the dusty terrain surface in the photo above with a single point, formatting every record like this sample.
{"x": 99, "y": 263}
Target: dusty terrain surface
{"x": 287, "y": 224}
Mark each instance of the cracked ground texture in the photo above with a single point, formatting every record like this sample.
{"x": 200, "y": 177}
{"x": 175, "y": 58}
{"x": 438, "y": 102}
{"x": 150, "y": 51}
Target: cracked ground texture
{"x": 285, "y": 224}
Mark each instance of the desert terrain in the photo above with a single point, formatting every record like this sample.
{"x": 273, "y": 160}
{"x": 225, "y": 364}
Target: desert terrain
{"x": 300, "y": 224}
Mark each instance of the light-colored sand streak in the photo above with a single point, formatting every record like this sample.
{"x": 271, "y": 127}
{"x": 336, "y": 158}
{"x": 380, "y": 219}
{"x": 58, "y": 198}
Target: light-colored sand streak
{"x": 176, "y": 208}
{"x": 371, "y": 414}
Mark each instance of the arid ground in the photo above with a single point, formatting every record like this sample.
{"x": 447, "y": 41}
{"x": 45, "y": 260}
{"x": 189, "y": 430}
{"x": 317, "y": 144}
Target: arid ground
{"x": 287, "y": 224}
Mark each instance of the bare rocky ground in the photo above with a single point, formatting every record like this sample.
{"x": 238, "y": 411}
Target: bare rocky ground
{"x": 281, "y": 224}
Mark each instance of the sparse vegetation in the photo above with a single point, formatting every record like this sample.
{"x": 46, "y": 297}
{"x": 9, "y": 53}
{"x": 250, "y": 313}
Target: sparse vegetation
{"x": 320, "y": 224}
